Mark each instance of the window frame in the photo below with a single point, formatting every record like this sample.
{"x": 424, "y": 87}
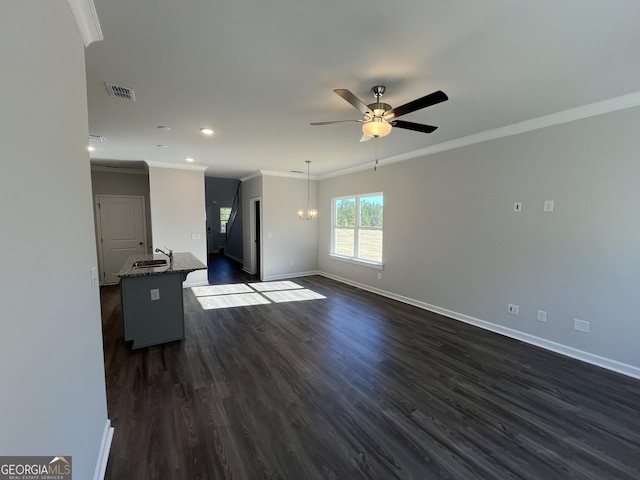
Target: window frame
{"x": 220, "y": 230}
{"x": 356, "y": 259}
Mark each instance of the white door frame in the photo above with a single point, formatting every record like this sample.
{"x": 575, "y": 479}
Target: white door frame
{"x": 98, "y": 223}
{"x": 210, "y": 229}
{"x": 252, "y": 235}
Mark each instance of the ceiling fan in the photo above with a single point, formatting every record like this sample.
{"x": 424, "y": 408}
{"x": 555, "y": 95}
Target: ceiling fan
{"x": 379, "y": 117}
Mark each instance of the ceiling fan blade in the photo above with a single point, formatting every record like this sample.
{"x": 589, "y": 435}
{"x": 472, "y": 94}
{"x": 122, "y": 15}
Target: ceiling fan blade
{"x": 424, "y": 102}
{"x": 315, "y": 124}
{"x": 353, "y": 100}
{"x": 416, "y": 127}
{"x": 365, "y": 138}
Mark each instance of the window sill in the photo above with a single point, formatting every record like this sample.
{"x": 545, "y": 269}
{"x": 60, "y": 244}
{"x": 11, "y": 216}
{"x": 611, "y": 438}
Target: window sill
{"x": 355, "y": 261}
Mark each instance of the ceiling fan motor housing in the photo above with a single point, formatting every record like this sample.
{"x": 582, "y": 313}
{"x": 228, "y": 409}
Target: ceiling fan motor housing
{"x": 379, "y": 108}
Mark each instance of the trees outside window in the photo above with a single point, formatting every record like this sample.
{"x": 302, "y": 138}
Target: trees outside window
{"x": 357, "y": 227}
{"x": 225, "y": 212}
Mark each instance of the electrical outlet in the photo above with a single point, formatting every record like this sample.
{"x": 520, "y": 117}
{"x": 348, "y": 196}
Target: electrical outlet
{"x": 542, "y": 316}
{"x": 548, "y": 205}
{"x": 379, "y": 276}
{"x": 581, "y": 325}
{"x": 155, "y": 293}
{"x": 513, "y": 309}
{"x": 291, "y": 263}
{"x": 517, "y": 207}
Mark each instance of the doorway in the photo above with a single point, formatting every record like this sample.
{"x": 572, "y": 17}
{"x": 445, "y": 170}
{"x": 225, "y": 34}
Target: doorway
{"x": 255, "y": 219}
{"x": 257, "y": 214}
{"x": 121, "y": 232}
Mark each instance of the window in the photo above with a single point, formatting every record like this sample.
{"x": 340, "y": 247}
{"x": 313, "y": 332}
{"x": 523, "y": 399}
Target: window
{"x": 225, "y": 212}
{"x": 357, "y": 227}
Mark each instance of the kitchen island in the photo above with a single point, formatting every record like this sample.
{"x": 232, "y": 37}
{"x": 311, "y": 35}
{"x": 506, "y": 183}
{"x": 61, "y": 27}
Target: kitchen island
{"x": 151, "y": 295}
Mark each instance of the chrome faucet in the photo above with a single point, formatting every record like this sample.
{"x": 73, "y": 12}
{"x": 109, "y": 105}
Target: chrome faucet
{"x": 170, "y": 254}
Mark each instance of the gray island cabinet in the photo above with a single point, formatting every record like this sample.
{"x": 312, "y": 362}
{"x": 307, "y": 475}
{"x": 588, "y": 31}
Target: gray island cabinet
{"x": 152, "y": 304}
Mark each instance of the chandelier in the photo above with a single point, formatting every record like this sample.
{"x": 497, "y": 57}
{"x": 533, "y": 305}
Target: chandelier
{"x": 311, "y": 212}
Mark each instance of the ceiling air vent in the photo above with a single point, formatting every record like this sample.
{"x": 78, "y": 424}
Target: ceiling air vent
{"x": 120, "y": 91}
{"x": 97, "y": 138}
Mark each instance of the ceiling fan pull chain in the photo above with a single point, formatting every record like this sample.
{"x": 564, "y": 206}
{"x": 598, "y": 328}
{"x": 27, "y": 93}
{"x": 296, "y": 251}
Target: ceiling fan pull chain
{"x": 375, "y": 143}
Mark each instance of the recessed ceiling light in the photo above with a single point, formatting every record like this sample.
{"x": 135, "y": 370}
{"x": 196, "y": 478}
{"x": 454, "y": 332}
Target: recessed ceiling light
{"x": 164, "y": 127}
{"x": 189, "y": 159}
{"x": 90, "y": 148}
{"x": 206, "y": 131}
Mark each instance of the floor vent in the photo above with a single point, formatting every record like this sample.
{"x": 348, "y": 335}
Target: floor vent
{"x": 97, "y": 138}
{"x": 120, "y": 91}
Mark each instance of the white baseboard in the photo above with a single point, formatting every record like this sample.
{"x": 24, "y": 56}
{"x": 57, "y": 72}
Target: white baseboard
{"x": 609, "y": 364}
{"x": 284, "y": 276}
{"x": 233, "y": 257}
{"x": 103, "y": 454}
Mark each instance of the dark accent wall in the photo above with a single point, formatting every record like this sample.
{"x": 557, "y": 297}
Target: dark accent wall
{"x": 220, "y": 192}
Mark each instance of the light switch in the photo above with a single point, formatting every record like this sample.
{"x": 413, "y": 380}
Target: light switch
{"x": 95, "y": 281}
{"x": 548, "y": 205}
{"x": 517, "y": 207}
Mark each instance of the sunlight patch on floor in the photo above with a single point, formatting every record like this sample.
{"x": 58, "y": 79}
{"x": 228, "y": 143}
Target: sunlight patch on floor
{"x": 293, "y": 295}
{"x": 232, "y": 300}
{"x": 270, "y": 286}
{"x": 243, "y": 295}
{"x": 221, "y": 289}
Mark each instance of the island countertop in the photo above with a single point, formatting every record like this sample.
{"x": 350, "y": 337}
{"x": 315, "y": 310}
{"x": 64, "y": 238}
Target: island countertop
{"x": 183, "y": 262}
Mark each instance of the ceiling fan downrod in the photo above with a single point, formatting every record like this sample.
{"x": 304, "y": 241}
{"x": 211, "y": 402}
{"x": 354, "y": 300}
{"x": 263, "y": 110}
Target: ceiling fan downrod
{"x": 378, "y": 108}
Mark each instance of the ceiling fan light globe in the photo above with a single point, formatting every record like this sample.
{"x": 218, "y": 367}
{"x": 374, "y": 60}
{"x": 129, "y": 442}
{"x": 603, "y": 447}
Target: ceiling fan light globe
{"x": 376, "y": 128}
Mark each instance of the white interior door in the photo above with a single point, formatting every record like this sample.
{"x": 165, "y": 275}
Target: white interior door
{"x": 121, "y": 232}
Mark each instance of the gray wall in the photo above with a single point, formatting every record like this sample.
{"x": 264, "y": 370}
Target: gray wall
{"x": 452, "y": 240}
{"x": 117, "y": 183}
{"x": 251, "y": 188}
{"x": 52, "y": 398}
{"x": 220, "y": 192}
{"x": 290, "y": 245}
{"x": 178, "y": 214}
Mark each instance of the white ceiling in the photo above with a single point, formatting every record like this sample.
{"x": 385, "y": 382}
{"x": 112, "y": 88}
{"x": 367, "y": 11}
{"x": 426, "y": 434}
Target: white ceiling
{"x": 259, "y": 72}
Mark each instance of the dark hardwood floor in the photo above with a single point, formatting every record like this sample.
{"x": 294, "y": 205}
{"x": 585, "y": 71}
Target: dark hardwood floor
{"x": 357, "y": 386}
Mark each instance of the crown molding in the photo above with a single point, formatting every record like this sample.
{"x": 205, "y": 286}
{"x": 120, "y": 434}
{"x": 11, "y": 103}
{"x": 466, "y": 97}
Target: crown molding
{"x": 86, "y": 17}
{"x": 178, "y": 166}
{"x": 586, "y": 111}
{"x": 133, "y": 171}
{"x": 251, "y": 176}
{"x": 274, "y": 173}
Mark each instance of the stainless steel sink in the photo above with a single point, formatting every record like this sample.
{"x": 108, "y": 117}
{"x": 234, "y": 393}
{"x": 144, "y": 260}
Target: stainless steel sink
{"x": 149, "y": 263}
